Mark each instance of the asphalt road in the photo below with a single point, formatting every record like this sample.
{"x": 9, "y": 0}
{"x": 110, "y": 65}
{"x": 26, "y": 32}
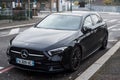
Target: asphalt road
{"x": 8, "y": 72}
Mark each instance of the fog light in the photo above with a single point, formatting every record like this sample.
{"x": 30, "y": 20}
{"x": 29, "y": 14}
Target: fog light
{"x": 51, "y": 68}
{"x": 56, "y": 58}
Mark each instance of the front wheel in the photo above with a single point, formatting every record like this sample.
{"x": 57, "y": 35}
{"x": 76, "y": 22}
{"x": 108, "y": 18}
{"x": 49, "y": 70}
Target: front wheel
{"x": 75, "y": 59}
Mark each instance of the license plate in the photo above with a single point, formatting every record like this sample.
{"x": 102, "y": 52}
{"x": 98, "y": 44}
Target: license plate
{"x": 25, "y": 62}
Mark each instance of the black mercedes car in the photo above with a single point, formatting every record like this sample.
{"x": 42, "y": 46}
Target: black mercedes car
{"x": 58, "y": 42}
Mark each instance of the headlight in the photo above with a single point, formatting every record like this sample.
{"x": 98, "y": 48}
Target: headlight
{"x": 56, "y": 51}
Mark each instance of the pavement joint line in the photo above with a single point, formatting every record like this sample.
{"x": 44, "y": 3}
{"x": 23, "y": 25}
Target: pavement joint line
{"x": 90, "y": 71}
{"x": 10, "y": 27}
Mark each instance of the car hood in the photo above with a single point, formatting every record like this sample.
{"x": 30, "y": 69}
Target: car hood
{"x": 42, "y": 38}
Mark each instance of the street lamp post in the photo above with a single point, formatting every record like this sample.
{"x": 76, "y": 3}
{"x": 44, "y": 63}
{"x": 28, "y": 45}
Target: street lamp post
{"x": 57, "y": 5}
{"x": 29, "y": 9}
{"x": 50, "y": 5}
{"x": 71, "y": 5}
{"x": 90, "y": 4}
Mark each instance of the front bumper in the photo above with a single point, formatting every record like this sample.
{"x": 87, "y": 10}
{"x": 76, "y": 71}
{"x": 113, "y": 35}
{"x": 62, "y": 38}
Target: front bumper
{"x": 40, "y": 67}
{"x": 41, "y": 64}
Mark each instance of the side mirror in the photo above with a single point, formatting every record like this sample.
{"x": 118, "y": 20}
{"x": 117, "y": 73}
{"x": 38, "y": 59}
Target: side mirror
{"x": 86, "y": 29}
{"x": 99, "y": 21}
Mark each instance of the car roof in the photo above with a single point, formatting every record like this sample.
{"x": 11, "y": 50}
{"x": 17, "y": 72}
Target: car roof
{"x": 78, "y": 13}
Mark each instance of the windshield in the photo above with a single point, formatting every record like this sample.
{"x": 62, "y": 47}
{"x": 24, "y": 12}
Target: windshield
{"x": 64, "y": 22}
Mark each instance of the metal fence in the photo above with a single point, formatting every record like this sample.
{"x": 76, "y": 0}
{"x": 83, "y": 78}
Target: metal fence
{"x": 6, "y": 12}
{"x": 104, "y": 8}
{"x": 15, "y": 14}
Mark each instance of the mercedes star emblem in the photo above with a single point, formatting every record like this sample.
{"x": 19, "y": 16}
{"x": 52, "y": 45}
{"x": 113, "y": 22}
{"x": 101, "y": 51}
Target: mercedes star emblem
{"x": 24, "y": 53}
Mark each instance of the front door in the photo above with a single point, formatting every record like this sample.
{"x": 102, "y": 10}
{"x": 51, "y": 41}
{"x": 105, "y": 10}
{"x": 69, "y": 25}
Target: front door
{"x": 89, "y": 38}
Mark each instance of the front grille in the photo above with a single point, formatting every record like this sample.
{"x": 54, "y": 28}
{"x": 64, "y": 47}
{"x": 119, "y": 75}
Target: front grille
{"x": 16, "y": 52}
{"x": 29, "y": 50}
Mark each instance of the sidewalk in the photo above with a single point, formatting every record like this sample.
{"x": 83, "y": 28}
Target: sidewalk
{"x": 6, "y": 23}
{"x": 110, "y": 70}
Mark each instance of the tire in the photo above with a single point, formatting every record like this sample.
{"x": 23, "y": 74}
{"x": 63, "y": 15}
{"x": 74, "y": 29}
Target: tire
{"x": 104, "y": 42}
{"x": 75, "y": 59}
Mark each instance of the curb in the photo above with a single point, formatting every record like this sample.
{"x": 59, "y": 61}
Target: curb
{"x": 17, "y": 26}
{"x": 90, "y": 71}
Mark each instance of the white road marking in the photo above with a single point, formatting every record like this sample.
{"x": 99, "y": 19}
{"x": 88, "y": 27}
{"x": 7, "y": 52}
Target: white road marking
{"x": 113, "y": 26}
{"x": 1, "y": 68}
{"x": 88, "y": 73}
{"x": 114, "y": 40}
{"x": 115, "y": 29}
{"x": 115, "y": 13}
{"x": 119, "y": 22}
{"x": 112, "y": 13}
{"x": 111, "y": 21}
{"x": 14, "y": 31}
{"x": 105, "y": 20}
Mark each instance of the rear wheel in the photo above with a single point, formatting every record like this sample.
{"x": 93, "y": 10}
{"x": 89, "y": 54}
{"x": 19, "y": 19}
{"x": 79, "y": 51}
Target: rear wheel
{"x": 104, "y": 42}
{"x": 75, "y": 59}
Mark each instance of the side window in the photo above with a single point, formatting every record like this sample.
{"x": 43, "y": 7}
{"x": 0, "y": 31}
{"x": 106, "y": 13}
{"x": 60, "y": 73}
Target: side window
{"x": 96, "y": 19}
{"x": 88, "y": 22}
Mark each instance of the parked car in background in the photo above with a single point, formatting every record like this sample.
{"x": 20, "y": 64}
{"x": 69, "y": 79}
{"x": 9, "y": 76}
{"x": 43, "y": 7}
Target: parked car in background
{"x": 58, "y": 42}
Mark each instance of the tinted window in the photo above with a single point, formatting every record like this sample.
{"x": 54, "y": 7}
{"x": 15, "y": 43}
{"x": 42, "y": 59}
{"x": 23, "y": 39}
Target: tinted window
{"x": 95, "y": 19}
{"x": 88, "y": 22}
{"x": 64, "y": 22}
